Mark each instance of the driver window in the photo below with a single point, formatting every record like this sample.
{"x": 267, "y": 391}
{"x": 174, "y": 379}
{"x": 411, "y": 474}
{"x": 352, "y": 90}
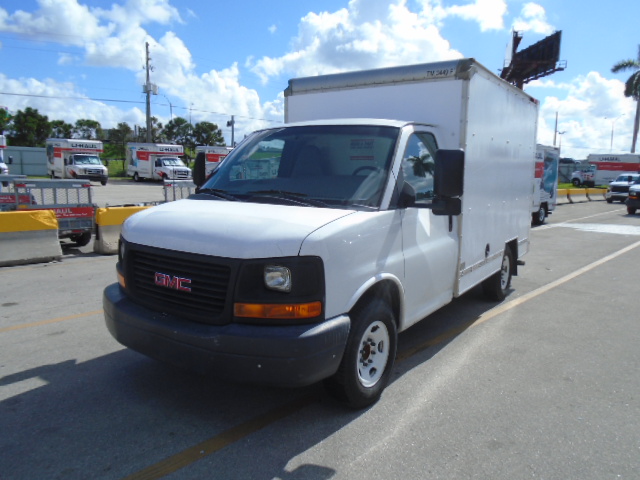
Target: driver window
{"x": 418, "y": 165}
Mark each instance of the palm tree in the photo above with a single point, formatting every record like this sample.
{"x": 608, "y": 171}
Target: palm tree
{"x": 632, "y": 89}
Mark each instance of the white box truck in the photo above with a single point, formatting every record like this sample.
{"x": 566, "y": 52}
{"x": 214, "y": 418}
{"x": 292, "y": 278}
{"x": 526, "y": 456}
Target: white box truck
{"x": 213, "y": 155}
{"x": 79, "y": 159}
{"x": 545, "y": 185}
{"x": 156, "y": 161}
{"x": 315, "y": 242}
{"x": 603, "y": 168}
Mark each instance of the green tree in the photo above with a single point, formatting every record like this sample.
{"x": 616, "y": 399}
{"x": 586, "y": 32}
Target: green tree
{"x": 5, "y": 119}
{"x": 28, "y": 129}
{"x": 87, "y": 129}
{"x": 157, "y": 132}
{"x": 632, "y": 89}
{"x": 61, "y": 129}
{"x": 119, "y": 137}
{"x": 178, "y": 131}
{"x": 207, "y": 133}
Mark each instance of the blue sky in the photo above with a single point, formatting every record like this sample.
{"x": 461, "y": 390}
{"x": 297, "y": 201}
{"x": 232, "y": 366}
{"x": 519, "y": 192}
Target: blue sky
{"x": 74, "y": 59}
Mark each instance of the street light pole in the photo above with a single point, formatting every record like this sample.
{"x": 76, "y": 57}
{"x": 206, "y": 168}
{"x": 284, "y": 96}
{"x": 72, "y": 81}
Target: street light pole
{"x": 560, "y": 141}
{"x": 613, "y": 122}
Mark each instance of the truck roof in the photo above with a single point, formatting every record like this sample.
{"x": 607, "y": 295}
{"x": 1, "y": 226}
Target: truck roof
{"x": 381, "y": 122}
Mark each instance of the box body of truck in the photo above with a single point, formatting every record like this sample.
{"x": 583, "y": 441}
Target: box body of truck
{"x": 76, "y": 159}
{"x": 156, "y": 161}
{"x": 545, "y": 184}
{"x": 213, "y": 156}
{"x": 315, "y": 243}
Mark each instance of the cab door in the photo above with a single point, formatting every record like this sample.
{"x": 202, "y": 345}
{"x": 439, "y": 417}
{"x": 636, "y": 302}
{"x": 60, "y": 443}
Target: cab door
{"x": 430, "y": 242}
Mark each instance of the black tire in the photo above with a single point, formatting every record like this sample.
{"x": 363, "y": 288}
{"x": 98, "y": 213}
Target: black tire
{"x": 81, "y": 239}
{"x": 52, "y": 176}
{"x": 631, "y": 210}
{"x": 104, "y": 181}
{"x": 368, "y": 358}
{"x": 136, "y": 177}
{"x": 576, "y": 182}
{"x": 539, "y": 217}
{"x": 497, "y": 285}
{"x": 609, "y": 200}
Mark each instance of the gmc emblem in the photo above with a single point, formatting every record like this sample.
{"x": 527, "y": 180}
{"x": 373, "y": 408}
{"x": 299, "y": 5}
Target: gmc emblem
{"x": 174, "y": 283}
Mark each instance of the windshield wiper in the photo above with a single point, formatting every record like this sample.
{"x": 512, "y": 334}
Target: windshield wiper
{"x": 294, "y": 197}
{"x": 216, "y": 192}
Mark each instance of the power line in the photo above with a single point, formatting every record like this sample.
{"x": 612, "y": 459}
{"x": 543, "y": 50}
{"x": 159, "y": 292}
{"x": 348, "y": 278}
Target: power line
{"x": 58, "y": 97}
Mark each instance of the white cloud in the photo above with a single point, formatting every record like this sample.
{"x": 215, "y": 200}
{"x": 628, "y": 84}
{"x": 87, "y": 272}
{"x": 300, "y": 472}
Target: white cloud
{"x": 488, "y": 13}
{"x": 533, "y": 17}
{"x": 590, "y": 107}
{"x": 365, "y": 35}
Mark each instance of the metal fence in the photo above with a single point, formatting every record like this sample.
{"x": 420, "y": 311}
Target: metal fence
{"x": 178, "y": 189}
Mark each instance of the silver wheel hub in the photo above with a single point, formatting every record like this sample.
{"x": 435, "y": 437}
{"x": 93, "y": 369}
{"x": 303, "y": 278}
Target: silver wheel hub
{"x": 373, "y": 354}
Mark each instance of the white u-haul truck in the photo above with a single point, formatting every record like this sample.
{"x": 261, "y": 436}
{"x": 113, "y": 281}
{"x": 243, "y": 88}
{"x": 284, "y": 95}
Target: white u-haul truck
{"x": 545, "y": 186}
{"x": 314, "y": 243}
{"x": 213, "y": 156}
{"x": 156, "y": 161}
{"x": 601, "y": 168}
{"x": 79, "y": 159}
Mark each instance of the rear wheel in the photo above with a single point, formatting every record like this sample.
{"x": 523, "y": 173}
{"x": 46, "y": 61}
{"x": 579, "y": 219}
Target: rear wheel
{"x": 368, "y": 357}
{"x": 539, "y": 216}
{"x": 497, "y": 285}
{"x": 136, "y": 177}
{"x": 576, "y": 182}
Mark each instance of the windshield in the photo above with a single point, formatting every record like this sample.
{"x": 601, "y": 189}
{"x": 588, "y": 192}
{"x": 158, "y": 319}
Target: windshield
{"x": 342, "y": 166}
{"x": 86, "y": 160}
{"x": 172, "y": 162}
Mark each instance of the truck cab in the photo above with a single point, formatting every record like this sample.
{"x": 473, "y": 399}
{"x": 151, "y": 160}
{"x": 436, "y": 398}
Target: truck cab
{"x": 85, "y": 166}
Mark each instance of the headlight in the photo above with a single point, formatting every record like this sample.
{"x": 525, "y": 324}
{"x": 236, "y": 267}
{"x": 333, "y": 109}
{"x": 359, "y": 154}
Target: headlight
{"x": 277, "y": 278}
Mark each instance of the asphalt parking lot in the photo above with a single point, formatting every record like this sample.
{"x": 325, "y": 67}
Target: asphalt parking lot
{"x": 542, "y": 385}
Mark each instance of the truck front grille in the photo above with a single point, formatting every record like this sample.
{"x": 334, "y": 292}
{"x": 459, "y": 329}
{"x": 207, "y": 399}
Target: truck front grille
{"x": 619, "y": 189}
{"x": 190, "y": 286}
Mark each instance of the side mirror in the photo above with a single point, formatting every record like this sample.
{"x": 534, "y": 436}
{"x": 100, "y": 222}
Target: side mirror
{"x": 448, "y": 182}
{"x": 199, "y": 169}
{"x": 449, "y": 173}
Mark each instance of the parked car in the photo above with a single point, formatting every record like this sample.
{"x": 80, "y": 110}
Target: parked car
{"x": 633, "y": 200}
{"x": 619, "y": 188}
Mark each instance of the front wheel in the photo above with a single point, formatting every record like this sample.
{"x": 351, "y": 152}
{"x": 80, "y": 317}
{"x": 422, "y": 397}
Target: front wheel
{"x": 136, "y": 177}
{"x": 631, "y": 210}
{"x": 576, "y": 182}
{"x": 497, "y": 285}
{"x": 368, "y": 357}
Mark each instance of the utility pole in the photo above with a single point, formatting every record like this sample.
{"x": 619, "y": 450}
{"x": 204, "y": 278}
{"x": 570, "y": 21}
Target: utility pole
{"x": 231, "y": 123}
{"x": 149, "y": 88}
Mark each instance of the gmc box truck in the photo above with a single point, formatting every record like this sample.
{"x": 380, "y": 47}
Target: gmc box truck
{"x": 315, "y": 242}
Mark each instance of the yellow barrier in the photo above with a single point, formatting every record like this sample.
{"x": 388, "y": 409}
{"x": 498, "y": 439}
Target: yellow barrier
{"x": 109, "y": 222}
{"x": 574, "y": 195}
{"x": 29, "y": 237}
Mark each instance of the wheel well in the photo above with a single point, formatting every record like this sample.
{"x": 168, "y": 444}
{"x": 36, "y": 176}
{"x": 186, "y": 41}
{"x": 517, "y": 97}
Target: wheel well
{"x": 385, "y": 289}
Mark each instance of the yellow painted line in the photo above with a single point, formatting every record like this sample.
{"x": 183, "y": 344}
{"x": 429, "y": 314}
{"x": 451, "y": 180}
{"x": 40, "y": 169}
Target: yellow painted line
{"x": 226, "y": 438}
{"x": 50, "y": 321}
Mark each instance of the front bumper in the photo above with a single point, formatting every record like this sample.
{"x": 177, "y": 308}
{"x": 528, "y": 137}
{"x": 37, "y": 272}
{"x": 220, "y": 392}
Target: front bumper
{"x": 633, "y": 202}
{"x": 291, "y": 356}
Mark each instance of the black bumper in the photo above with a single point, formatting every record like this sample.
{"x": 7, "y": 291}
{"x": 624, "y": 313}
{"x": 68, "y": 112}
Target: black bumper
{"x": 291, "y": 356}
{"x": 632, "y": 202}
